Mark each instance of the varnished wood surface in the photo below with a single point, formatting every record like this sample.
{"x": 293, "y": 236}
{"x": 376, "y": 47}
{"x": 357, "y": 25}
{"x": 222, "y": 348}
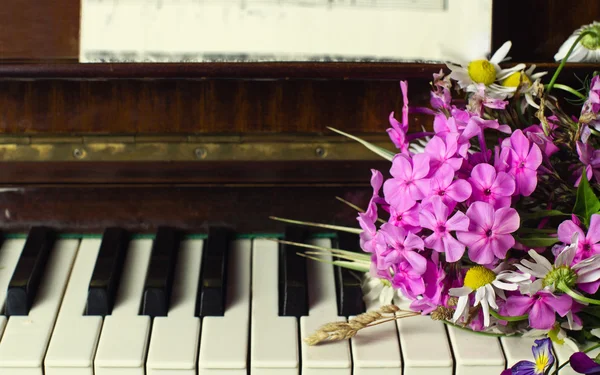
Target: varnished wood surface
{"x": 201, "y": 172}
{"x": 90, "y": 209}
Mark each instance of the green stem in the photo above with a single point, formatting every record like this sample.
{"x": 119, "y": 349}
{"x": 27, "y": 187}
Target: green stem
{"x": 564, "y": 60}
{"x": 569, "y": 89}
{"x": 577, "y": 296}
{"x": 509, "y": 318}
{"x": 584, "y": 351}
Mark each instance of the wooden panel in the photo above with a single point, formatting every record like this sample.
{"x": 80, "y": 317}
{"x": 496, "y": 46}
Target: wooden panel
{"x": 537, "y": 28}
{"x": 39, "y": 30}
{"x": 142, "y": 209}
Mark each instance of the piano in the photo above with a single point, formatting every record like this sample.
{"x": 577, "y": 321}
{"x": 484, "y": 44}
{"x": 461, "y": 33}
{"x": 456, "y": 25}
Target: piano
{"x": 135, "y": 206}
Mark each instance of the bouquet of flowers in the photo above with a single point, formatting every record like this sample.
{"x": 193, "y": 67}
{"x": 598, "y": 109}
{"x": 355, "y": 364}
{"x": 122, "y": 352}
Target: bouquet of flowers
{"x": 492, "y": 220}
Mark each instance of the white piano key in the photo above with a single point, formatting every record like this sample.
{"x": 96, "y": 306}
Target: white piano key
{"x": 71, "y": 351}
{"x": 173, "y": 345}
{"x": 124, "y": 339}
{"x": 517, "y": 349}
{"x": 425, "y": 346}
{"x": 26, "y": 338}
{"x": 562, "y": 353}
{"x": 476, "y": 354}
{"x": 331, "y": 358}
{"x": 274, "y": 339}
{"x": 9, "y": 257}
{"x": 224, "y": 341}
{"x": 376, "y": 350}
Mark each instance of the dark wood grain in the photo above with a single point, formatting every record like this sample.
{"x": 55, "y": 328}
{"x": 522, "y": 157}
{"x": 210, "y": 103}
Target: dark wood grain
{"x": 91, "y": 209}
{"x": 39, "y": 30}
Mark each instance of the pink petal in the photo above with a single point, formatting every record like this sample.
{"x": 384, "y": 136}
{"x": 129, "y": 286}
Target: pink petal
{"x": 376, "y": 181}
{"x": 455, "y": 163}
{"x": 526, "y": 181}
{"x": 590, "y": 288}
{"x": 440, "y": 210}
{"x": 443, "y": 177}
{"x": 460, "y": 190}
{"x": 417, "y": 261}
{"x": 434, "y": 242}
{"x": 458, "y": 222}
{"x": 506, "y": 220}
{"x": 420, "y": 167}
{"x": 454, "y": 250}
{"x": 534, "y": 159}
{"x": 501, "y": 244}
{"x": 436, "y": 147}
{"x": 401, "y": 167}
{"x": 481, "y": 214}
{"x": 561, "y": 303}
{"x": 484, "y": 175}
{"x": 504, "y": 185}
{"x": 469, "y": 238}
{"x": 420, "y": 189}
{"x": 593, "y": 234}
{"x": 566, "y": 230}
{"x": 520, "y": 144}
{"x": 541, "y": 316}
{"x": 413, "y": 242}
{"x": 518, "y": 305}
{"x": 427, "y": 220}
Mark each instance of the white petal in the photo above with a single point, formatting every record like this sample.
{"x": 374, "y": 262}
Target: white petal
{"x": 540, "y": 260}
{"x": 460, "y": 308}
{"x": 479, "y": 295}
{"x": 486, "y": 313}
{"x": 589, "y": 277}
{"x": 501, "y": 53}
{"x": 565, "y": 258}
{"x": 460, "y": 292}
{"x": 531, "y": 268}
{"x": 564, "y": 48}
{"x": 506, "y": 72}
{"x": 513, "y": 277}
{"x": 505, "y": 286}
{"x": 491, "y": 296}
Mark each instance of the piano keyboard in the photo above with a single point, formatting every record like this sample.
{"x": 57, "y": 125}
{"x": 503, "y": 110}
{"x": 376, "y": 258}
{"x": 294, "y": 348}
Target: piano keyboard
{"x": 217, "y": 304}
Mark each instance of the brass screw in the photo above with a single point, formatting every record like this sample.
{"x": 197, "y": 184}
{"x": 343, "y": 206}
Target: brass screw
{"x": 79, "y": 153}
{"x": 321, "y": 152}
{"x": 200, "y": 153}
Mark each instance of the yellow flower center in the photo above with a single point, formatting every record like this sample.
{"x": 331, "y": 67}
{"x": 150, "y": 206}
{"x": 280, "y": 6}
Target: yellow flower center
{"x": 482, "y": 71}
{"x": 515, "y": 79}
{"x": 479, "y": 276}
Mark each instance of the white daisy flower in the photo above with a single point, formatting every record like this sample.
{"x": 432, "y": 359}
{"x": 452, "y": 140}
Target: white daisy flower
{"x": 486, "y": 284}
{"x": 588, "y": 48}
{"x": 376, "y": 289}
{"x": 488, "y": 72}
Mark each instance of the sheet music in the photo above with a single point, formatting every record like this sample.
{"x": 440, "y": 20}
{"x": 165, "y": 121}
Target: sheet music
{"x": 282, "y": 30}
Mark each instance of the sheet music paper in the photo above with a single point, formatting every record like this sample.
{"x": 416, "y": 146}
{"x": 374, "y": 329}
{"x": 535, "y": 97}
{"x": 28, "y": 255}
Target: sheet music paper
{"x": 283, "y": 30}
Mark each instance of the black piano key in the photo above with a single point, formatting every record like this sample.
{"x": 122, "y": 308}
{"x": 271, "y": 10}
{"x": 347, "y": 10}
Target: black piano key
{"x": 107, "y": 272}
{"x": 25, "y": 281}
{"x": 293, "y": 287}
{"x": 161, "y": 271}
{"x": 349, "y": 291}
{"x": 212, "y": 286}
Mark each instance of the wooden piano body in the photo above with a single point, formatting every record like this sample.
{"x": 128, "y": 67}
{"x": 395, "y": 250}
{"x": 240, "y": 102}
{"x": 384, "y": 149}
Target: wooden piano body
{"x": 87, "y": 148}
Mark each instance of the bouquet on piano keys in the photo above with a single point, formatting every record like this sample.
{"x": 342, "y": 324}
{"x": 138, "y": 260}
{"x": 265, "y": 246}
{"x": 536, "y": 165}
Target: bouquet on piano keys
{"x": 491, "y": 221}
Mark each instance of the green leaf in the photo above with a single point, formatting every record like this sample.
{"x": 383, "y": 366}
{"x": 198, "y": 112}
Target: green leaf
{"x": 537, "y": 241}
{"x": 540, "y": 214}
{"x": 376, "y": 149}
{"x": 586, "y": 203}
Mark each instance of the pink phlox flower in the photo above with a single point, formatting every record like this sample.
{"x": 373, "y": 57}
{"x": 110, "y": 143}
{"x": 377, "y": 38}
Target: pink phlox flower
{"x": 406, "y": 215}
{"x": 489, "y": 234}
{"x": 574, "y": 322}
{"x": 524, "y": 160}
{"x": 407, "y": 279}
{"x": 444, "y": 185}
{"x": 432, "y": 297}
{"x": 542, "y": 308}
{"x": 435, "y": 218}
{"x": 590, "y": 158}
{"x": 397, "y": 134}
{"x": 477, "y": 125}
{"x": 535, "y": 133}
{"x": 443, "y": 152}
{"x": 409, "y": 180}
{"x": 367, "y": 219}
{"x": 495, "y": 188}
{"x": 587, "y": 245}
{"x": 396, "y": 245}
{"x": 440, "y": 97}
{"x": 500, "y": 160}
{"x": 590, "y": 111}
{"x": 444, "y": 126}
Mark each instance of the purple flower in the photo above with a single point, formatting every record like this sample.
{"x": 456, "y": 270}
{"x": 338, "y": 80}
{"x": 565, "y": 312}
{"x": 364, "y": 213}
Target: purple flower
{"x": 489, "y": 234}
{"x": 587, "y": 245}
{"x": 590, "y": 111}
{"x": 443, "y": 185}
{"x": 535, "y": 133}
{"x": 397, "y": 132}
{"x": 523, "y": 161}
{"x": 433, "y": 278}
{"x": 491, "y": 187}
{"x": 396, "y": 245}
{"x": 443, "y": 152}
{"x": 590, "y": 158}
{"x": 581, "y": 363}
{"x": 367, "y": 219}
{"x": 409, "y": 182}
{"x": 435, "y": 217}
{"x": 542, "y": 360}
{"x": 406, "y": 215}
{"x": 407, "y": 279}
{"x": 541, "y": 307}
